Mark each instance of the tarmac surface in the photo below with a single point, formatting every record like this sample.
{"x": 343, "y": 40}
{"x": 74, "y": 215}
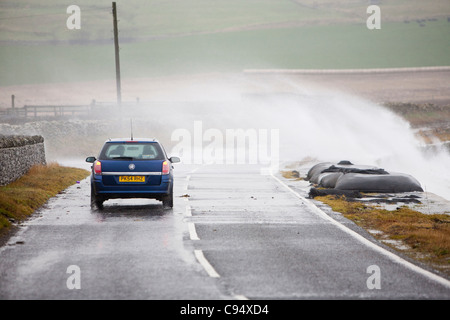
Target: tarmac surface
{"x": 233, "y": 233}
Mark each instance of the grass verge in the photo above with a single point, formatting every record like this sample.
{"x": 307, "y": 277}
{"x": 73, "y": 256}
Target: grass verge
{"x": 424, "y": 237}
{"x": 291, "y": 174}
{"x": 19, "y": 199}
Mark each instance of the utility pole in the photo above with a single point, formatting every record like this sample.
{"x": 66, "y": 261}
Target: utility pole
{"x": 116, "y": 49}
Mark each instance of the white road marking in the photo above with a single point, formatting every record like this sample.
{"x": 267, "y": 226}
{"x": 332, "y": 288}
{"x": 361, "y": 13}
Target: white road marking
{"x": 193, "y": 236}
{"x": 188, "y": 210}
{"x": 365, "y": 241}
{"x": 192, "y": 232}
{"x": 193, "y": 170}
{"x": 188, "y": 177}
{"x": 205, "y": 264}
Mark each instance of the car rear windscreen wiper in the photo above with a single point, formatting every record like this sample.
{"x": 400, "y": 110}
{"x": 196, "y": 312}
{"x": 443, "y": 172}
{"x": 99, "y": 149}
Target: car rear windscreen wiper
{"x": 122, "y": 158}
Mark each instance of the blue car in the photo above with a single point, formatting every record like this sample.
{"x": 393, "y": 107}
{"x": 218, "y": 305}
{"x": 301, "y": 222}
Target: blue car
{"x": 132, "y": 168}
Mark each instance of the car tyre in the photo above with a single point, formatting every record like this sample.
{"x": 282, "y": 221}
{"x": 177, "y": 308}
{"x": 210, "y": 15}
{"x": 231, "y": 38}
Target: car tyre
{"x": 96, "y": 201}
{"x": 168, "y": 200}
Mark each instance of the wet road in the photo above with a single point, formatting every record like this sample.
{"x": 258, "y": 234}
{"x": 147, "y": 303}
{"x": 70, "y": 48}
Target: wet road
{"x": 232, "y": 234}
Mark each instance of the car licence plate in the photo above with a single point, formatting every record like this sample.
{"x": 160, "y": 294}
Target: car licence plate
{"x": 131, "y": 178}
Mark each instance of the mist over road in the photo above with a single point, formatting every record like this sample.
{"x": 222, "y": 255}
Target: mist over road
{"x": 233, "y": 234}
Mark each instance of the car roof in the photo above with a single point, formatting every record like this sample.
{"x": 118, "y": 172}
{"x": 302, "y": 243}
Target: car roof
{"x": 132, "y": 139}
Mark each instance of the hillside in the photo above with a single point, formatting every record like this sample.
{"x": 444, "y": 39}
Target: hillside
{"x": 160, "y": 38}
{"x": 26, "y": 20}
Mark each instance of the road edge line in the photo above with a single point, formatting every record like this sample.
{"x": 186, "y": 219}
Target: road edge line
{"x": 395, "y": 258}
{"x": 192, "y": 232}
{"x": 205, "y": 264}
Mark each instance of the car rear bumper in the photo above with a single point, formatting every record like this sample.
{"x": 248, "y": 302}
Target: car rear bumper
{"x": 131, "y": 190}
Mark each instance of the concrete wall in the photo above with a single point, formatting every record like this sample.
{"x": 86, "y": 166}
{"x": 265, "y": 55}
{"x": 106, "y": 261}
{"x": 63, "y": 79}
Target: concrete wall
{"x": 18, "y": 154}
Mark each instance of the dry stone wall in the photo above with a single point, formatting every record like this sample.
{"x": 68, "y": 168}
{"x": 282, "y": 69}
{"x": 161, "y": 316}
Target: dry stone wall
{"x": 18, "y": 154}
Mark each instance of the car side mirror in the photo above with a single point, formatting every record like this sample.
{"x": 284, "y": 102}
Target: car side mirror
{"x": 91, "y": 159}
{"x": 174, "y": 159}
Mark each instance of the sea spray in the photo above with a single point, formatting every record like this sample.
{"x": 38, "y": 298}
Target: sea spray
{"x": 333, "y": 126}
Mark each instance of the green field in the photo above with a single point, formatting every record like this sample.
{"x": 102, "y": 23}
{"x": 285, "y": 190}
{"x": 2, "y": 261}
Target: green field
{"x": 46, "y": 19}
{"x": 191, "y": 36}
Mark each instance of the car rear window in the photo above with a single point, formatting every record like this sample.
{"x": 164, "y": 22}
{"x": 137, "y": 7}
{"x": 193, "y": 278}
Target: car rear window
{"x": 131, "y": 151}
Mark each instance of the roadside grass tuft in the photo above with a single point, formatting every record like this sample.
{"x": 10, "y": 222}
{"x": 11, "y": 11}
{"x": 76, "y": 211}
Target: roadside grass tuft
{"x": 293, "y": 174}
{"x": 19, "y": 199}
{"x": 426, "y": 235}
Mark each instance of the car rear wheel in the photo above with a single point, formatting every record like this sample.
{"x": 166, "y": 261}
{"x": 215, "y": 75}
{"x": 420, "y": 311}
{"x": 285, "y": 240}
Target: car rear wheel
{"x": 96, "y": 201}
{"x": 168, "y": 200}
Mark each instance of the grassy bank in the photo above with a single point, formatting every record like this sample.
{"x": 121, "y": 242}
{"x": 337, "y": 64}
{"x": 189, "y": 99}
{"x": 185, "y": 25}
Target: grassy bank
{"x": 19, "y": 199}
{"x": 424, "y": 237}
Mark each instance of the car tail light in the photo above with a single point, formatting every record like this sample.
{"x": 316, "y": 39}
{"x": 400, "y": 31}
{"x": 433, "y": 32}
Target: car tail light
{"x": 98, "y": 167}
{"x": 165, "y": 167}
